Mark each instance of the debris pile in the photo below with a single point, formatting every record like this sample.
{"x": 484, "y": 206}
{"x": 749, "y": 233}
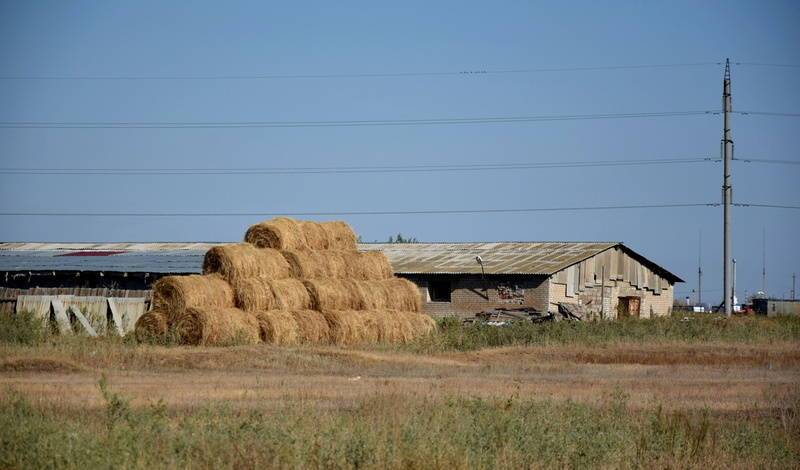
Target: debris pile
{"x": 289, "y": 282}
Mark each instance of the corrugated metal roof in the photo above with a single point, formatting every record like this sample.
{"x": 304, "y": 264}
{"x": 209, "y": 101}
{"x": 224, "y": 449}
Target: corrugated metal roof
{"x": 543, "y": 258}
{"x": 498, "y": 258}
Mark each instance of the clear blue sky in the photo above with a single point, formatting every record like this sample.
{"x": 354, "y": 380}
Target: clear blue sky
{"x": 245, "y": 38}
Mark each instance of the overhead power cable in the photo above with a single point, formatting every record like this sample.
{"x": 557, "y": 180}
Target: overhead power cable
{"x": 345, "y": 123}
{"x": 769, "y": 206}
{"x": 317, "y": 76}
{"x": 767, "y": 160}
{"x": 352, "y": 213}
{"x": 762, "y": 64}
{"x": 351, "y": 169}
{"x": 767, "y": 113}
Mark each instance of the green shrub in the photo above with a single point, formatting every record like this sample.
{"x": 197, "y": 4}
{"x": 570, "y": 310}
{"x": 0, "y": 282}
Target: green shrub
{"x": 22, "y": 328}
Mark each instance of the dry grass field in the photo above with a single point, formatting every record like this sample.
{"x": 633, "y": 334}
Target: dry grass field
{"x": 633, "y": 394}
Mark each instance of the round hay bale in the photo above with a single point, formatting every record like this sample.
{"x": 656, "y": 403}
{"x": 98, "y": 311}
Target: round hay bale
{"x": 390, "y": 294}
{"x": 217, "y": 327}
{"x": 175, "y": 294}
{"x": 151, "y": 327}
{"x": 243, "y": 260}
{"x": 393, "y": 327}
{"x": 290, "y": 294}
{"x": 278, "y": 327}
{"x": 340, "y": 236}
{"x": 421, "y": 324}
{"x": 367, "y": 266}
{"x": 312, "y": 327}
{"x": 281, "y": 233}
{"x": 334, "y": 294}
{"x": 312, "y": 264}
{"x": 254, "y": 294}
{"x": 350, "y": 327}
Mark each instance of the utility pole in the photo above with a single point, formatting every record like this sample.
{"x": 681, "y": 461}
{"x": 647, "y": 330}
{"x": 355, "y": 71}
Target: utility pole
{"x": 700, "y": 269}
{"x": 793, "y": 279}
{"x": 764, "y": 260}
{"x": 733, "y": 285}
{"x": 727, "y": 189}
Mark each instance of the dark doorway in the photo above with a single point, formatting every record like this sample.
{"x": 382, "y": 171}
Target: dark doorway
{"x": 629, "y": 306}
{"x": 439, "y": 291}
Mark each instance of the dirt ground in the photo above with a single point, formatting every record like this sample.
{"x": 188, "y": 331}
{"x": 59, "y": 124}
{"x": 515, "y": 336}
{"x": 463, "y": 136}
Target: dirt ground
{"x": 722, "y": 378}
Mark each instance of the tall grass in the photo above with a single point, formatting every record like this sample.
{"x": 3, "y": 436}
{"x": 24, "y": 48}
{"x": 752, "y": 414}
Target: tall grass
{"x": 455, "y": 336}
{"x": 390, "y": 432}
{"x": 22, "y": 328}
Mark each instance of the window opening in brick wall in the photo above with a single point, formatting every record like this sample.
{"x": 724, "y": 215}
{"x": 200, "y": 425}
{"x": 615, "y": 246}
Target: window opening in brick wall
{"x": 439, "y": 291}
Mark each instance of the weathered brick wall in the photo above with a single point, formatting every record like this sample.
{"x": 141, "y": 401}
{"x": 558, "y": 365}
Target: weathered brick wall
{"x": 468, "y": 296}
{"x": 651, "y": 304}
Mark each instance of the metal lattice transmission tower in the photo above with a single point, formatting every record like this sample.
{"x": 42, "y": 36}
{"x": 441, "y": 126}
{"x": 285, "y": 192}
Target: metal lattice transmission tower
{"x": 727, "y": 189}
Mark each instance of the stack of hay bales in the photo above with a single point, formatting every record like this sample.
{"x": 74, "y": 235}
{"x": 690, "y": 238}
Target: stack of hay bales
{"x": 290, "y": 282}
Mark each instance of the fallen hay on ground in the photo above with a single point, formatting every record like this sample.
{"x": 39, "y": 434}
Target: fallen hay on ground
{"x": 278, "y": 327}
{"x": 151, "y": 327}
{"x": 243, "y": 260}
{"x": 283, "y": 233}
{"x": 217, "y": 327}
{"x": 175, "y": 294}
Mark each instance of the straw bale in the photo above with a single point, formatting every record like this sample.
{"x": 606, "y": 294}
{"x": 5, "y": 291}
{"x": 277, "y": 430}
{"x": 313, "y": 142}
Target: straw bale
{"x": 367, "y": 266}
{"x": 283, "y": 233}
{"x": 151, "y": 327}
{"x": 421, "y": 324}
{"x": 290, "y": 294}
{"x": 312, "y": 327}
{"x": 175, "y": 294}
{"x": 314, "y": 264}
{"x": 340, "y": 235}
{"x": 334, "y": 294}
{"x": 212, "y": 326}
{"x": 243, "y": 260}
{"x": 278, "y": 327}
{"x": 390, "y": 294}
{"x": 254, "y": 294}
{"x": 351, "y": 327}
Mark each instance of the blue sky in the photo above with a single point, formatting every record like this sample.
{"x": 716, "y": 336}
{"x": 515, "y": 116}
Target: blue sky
{"x": 56, "y": 38}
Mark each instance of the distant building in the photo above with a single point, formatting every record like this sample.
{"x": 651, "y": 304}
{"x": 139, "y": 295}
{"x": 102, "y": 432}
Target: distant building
{"x": 537, "y": 275}
{"x": 776, "y": 307}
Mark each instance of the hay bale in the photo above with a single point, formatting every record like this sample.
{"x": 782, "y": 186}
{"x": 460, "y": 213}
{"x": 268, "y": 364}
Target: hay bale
{"x": 334, "y": 294}
{"x": 176, "y": 294}
{"x": 243, "y": 260}
{"x": 278, "y": 327}
{"x": 390, "y": 294}
{"x": 312, "y": 264}
{"x": 312, "y": 327}
{"x": 283, "y": 233}
{"x": 420, "y": 323}
{"x": 350, "y": 327}
{"x": 254, "y": 294}
{"x": 151, "y": 327}
{"x": 367, "y": 266}
{"x": 211, "y": 326}
{"x": 290, "y": 294}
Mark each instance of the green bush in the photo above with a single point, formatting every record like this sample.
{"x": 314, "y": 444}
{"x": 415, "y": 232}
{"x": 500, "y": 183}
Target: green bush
{"x": 22, "y": 328}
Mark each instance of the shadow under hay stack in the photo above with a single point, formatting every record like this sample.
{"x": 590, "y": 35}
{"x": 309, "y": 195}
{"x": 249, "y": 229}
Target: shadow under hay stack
{"x": 290, "y": 282}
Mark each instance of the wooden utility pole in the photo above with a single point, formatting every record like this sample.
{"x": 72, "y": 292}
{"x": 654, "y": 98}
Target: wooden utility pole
{"x": 727, "y": 188}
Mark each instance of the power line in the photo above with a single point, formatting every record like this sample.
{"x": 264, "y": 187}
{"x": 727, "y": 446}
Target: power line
{"x": 768, "y": 206}
{"x": 762, "y": 64}
{"x": 766, "y": 113}
{"x": 354, "y": 213}
{"x": 470, "y": 72}
{"x": 351, "y": 169}
{"x": 767, "y": 160}
{"x": 353, "y": 123}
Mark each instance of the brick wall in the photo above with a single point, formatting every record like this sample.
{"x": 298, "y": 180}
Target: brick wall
{"x": 652, "y": 304}
{"x": 468, "y": 296}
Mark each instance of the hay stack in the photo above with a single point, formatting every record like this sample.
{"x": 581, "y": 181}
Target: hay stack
{"x": 278, "y": 327}
{"x": 367, "y": 266}
{"x": 312, "y": 327}
{"x": 351, "y": 327}
{"x": 175, "y": 294}
{"x": 390, "y": 294}
{"x": 211, "y": 326}
{"x": 421, "y": 324}
{"x": 307, "y": 264}
{"x": 287, "y": 234}
{"x": 290, "y": 294}
{"x": 151, "y": 327}
{"x": 334, "y": 294}
{"x": 254, "y": 294}
{"x": 243, "y": 260}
